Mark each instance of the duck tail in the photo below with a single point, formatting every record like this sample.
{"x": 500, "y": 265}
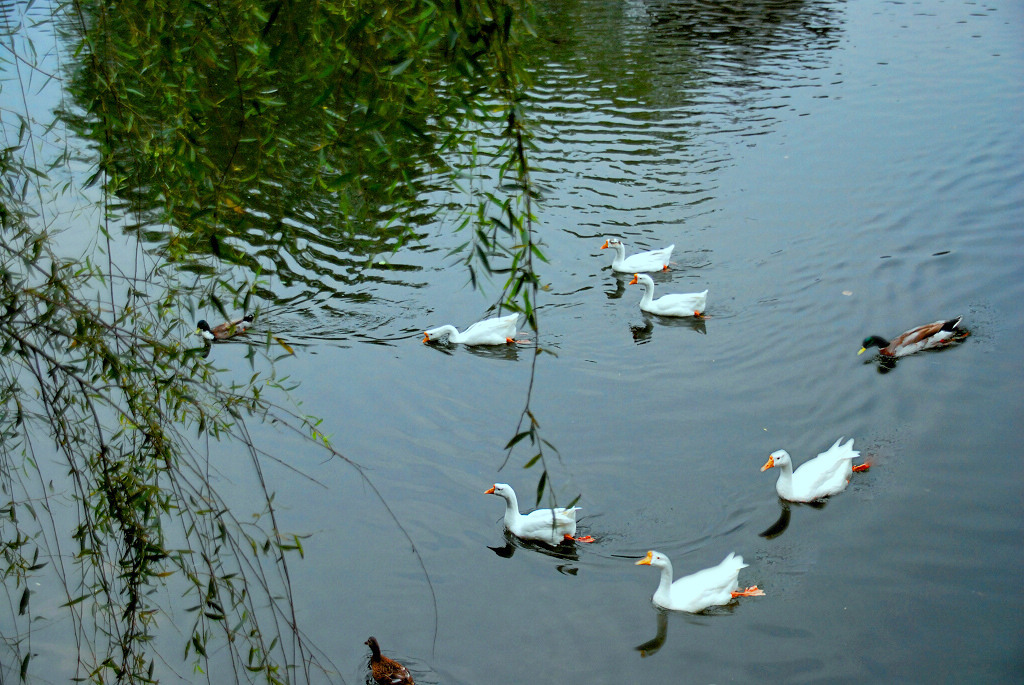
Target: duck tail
{"x": 249, "y": 318}
{"x": 952, "y": 324}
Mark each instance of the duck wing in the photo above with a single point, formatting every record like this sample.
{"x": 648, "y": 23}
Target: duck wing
{"x": 709, "y": 587}
{"x": 547, "y": 524}
{"x": 924, "y": 337}
{"x": 682, "y": 304}
{"x": 497, "y": 329}
{"x": 826, "y": 474}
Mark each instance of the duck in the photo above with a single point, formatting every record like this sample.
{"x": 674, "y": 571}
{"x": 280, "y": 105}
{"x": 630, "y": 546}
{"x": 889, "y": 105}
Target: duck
{"x": 550, "y": 526}
{"x": 496, "y": 331}
{"x": 696, "y": 592}
{"x": 225, "y": 330}
{"x": 652, "y": 260}
{"x": 825, "y": 475}
{"x": 384, "y": 670}
{"x": 688, "y": 304}
{"x": 926, "y": 337}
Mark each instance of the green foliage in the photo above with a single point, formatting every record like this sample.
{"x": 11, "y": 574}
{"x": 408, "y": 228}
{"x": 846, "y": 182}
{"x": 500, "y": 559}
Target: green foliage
{"x": 214, "y": 128}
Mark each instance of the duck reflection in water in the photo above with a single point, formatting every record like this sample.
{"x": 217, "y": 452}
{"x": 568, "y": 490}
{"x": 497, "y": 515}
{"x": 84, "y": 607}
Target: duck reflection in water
{"x": 782, "y": 523}
{"x": 651, "y": 647}
{"x": 503, "y": 352}
{"x": 642, "y": 333}
{"x": 655, "y": 643}
{"x": 566, "y": 551}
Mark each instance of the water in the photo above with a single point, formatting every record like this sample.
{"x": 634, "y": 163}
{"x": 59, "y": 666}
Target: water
{"x": 828, "y": 171}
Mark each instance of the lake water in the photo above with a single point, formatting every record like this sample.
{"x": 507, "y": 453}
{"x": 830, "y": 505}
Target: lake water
{"x": 827, "y": 170}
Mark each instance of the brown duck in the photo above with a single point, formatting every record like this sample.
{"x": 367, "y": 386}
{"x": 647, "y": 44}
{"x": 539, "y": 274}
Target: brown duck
{"x": 384, "y": 670}
{"x": 925, "y": 337}
{"x": 225, "y": 330}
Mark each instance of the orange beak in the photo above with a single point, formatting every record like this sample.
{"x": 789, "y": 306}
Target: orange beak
{"x": 646, "y": 561}
{"x": 605, "y": 245}
{"x": 635, "y": 279}
{"x": 426, "y": 337}
{"x": 769, "y": 464}
{"x": 489, "y": 492}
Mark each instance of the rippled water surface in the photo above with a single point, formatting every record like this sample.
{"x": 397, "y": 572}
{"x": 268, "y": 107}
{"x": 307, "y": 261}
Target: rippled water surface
{"x": 827, "y": 170}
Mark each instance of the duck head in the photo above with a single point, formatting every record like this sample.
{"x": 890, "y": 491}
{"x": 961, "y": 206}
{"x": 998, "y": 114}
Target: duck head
{"x": 873, "y": 341}
{"x": 777, "y": 458}
{"x": 501, "y": 490}
{"x": 203, "y": 329}
{"x": 653, "y": 559}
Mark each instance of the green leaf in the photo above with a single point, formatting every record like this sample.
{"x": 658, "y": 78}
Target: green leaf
{"x": 517, "y": 438}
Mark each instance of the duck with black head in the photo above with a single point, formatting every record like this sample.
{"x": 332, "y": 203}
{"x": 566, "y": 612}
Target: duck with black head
{"x": 223, "y": 331}
{"x": 926, "y": 337}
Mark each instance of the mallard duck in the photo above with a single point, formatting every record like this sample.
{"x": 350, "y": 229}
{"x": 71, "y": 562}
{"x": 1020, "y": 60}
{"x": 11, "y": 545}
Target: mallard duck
{"x": 826, "y": 474}
{"x": 224, "y": 330}
{"x": 652, "y": 260}
{"x": 384, "y": 670}
{"x": 551, "y": 526}
{"x": 698, "y": 591}
{"x": 496, "y": 331}
{"x": 689, "y": 304}
{"x": 925, "y": 337}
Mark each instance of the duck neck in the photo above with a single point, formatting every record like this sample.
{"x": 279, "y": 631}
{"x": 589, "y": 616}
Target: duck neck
{"x": 448, "y": 330}
{"x": 648, "y": 296}
{"x": 664, "y": 591}
{"x": 620, "y": 254}
{"x": 375, "y": 652}
{"x": 784, "y": 486}
{"x": 511, "y": 510}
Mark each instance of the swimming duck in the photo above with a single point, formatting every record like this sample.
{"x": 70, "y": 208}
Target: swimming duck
{"x": 551, "y": 526}
{"x": 925, "y": 337}
{"x": 652, "y": 260}
{"x": 384, "y": 670}
{"x": 689, "y": 304}
{"x": 224, "y": 330}
{"x": 496, "y": 331}
{"x": 824, "y": 475}
{"x": 698, "y": 591}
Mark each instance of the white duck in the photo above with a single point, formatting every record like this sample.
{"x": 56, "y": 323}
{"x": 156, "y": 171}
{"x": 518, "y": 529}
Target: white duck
{"x": 496, "y": 331}
{"x": 698, "y": 591}
{"x": 652, "y": 260}
{"x": 688, "y": 304}
{"x": 826, "y": 474}
{"x": 551, "y": 526}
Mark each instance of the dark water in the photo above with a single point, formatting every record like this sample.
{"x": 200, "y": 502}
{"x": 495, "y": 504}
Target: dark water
{"x": 828, "y": 171}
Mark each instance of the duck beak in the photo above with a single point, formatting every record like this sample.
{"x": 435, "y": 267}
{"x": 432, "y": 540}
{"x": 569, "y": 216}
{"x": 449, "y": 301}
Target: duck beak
{"x": 635, "y": 279}
{"x": 769, "y": 464}
{"x": 646, "y": 561}
{"x": 489, "y": 492}
{"x": 862, "y": 350}
{"x": 605, "y": 245}
{"x": 426, "y": 337}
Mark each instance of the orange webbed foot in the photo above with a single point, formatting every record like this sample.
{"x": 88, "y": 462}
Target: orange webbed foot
{"x": 582, "y": 538}
{"x": 752, "y": 591}
{"x": 861, "y": 467}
